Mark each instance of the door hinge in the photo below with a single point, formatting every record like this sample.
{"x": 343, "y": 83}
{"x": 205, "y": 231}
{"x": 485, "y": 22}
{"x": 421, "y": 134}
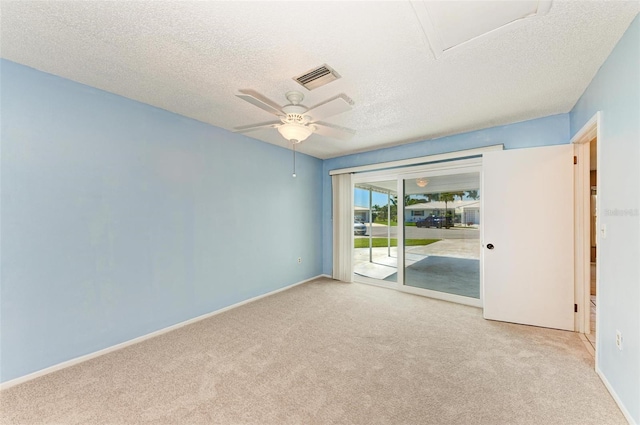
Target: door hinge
{"x": 575, "y": 308}
{"x": 575, "y": 160}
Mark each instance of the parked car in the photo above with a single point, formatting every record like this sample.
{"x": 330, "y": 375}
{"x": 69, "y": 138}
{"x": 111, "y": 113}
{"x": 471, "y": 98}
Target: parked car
{"x": 436, "y": 221}
{"x": 359, "y": 228}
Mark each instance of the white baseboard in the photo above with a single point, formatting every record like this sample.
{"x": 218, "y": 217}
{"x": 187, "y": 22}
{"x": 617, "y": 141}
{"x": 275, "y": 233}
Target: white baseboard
{"x": 623, "y": 409}
{"x": 77, "y": 360}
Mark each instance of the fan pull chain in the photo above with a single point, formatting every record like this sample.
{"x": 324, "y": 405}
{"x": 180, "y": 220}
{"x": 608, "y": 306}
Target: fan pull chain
{"x": 294, "y": 159}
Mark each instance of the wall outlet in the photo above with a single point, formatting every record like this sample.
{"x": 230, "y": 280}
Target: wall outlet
{"x": 619, "y": 340}
{"x": 299, "y": 260}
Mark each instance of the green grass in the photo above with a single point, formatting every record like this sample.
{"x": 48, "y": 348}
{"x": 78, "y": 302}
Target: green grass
{"x": 382, "y": 242}
{"x": 393, "y": 223}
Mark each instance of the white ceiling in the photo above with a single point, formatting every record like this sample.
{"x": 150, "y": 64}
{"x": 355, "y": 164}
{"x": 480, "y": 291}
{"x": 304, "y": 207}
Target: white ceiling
{"x": 435, "y": 184}
{"x": 192, "y": 57}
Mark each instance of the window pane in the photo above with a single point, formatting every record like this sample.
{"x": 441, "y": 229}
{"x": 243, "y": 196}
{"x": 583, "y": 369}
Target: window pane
{"x": 442, "y": 237}
{"x": 375, "y": 230}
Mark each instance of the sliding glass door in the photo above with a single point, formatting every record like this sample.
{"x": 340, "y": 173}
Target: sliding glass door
{"x": 417, "y": 229}
{"x": 441, "y": 215}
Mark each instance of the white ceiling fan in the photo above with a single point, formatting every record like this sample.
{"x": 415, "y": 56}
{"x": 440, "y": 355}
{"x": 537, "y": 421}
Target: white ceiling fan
{"x": 297, "y": 122}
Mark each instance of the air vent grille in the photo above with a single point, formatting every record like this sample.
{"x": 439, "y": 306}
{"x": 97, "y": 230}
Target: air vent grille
{"x": 317, "y": 77}
{"x": 314, "y": 75}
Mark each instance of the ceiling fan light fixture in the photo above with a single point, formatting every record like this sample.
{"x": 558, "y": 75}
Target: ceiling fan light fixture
{"x": 294, "y": 132}
{"x": 422, "y": 182}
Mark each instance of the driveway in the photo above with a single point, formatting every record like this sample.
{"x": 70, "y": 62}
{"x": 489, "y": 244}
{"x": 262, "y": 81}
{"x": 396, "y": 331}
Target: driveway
{"x": 412, "y": 232}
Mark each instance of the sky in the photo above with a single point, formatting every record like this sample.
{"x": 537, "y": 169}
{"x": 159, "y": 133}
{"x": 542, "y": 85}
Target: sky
{"x": 361, "y": 198}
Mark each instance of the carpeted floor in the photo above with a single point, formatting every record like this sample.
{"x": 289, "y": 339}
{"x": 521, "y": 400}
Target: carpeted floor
{"x": 330, "y": 353}
{"x": 459, "y": 276}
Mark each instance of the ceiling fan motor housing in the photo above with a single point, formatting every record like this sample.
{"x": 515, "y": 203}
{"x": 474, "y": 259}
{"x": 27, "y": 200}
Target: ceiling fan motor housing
{"x": 294, "y": 109}
{"x": 295, "y": 97}
{"x": 295, "y": 118}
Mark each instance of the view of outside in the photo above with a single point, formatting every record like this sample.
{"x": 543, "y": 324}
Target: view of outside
{"x": 442, "y": 245}
{"x": 452, "y": 217}
{"x": 375, "y": 231}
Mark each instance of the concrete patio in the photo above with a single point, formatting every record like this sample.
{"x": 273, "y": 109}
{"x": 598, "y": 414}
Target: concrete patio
{"x": 384, "y": 260}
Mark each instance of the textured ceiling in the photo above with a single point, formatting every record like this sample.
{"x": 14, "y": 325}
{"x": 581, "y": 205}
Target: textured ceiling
{"x": 192, "y": 57}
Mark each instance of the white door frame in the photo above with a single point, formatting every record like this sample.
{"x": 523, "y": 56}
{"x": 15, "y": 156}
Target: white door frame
{"x": 582, "y": 208}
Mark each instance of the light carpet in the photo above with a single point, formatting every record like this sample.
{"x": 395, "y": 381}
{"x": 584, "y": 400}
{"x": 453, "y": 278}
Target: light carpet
{"x": 330, "y": 353}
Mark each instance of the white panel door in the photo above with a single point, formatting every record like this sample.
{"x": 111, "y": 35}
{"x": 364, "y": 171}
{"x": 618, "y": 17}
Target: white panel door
{"x": 528, "y": 236}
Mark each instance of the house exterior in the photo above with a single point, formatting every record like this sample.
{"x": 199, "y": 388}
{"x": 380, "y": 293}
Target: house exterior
{"x": 465, "y": 212}
{"x": 361, "y": 214}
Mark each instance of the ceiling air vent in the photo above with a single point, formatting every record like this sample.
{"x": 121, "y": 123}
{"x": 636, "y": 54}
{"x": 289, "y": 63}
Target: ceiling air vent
{"x": 317, "y": 77}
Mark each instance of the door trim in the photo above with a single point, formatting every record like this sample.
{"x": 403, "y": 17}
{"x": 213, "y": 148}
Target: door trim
{"x": 582, "y": 192}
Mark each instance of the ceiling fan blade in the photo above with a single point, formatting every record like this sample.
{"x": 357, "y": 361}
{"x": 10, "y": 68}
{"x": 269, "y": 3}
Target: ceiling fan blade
{"x": 255, "y": 98}
{"x": 334, "y": 131}
{"x": 334, "y": 106}
{"x": 252, "y": 127}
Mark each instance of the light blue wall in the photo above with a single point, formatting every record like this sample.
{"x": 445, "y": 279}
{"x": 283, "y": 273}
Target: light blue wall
{"x": 553, "y": 130}
{"x": 119, "y": 219}
{"x": 615, "y": 90}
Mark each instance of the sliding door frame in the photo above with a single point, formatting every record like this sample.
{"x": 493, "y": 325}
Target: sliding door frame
{"x": 448, "y": 167}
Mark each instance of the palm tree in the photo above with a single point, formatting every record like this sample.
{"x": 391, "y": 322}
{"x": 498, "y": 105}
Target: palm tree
{"x": 408, "y": 200}
{"x": 432, "y": 197}
{"x": 394, "y": 208}
{"x": 473, "y": 194}
{"x": 447, "y": 197}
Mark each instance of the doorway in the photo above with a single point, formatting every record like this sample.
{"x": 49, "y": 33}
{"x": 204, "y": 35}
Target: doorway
{"x": 587, "y": 230}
